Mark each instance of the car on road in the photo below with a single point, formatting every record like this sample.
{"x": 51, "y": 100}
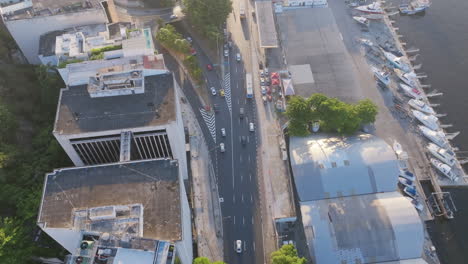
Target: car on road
{"x": 241, "y": 112}
{"x": 239, "y": 246}
{"x": 221, "y": 147}
{"x": 173, "y": 16}
{"x": 238, "y": 56}
{"x": 223, "y": 132}
{"x": 264, "y": 90}
{"x": 226, "y": 53}
{"x": 243, "y": 140}
{"x": 221, "y": 92}
{"x": 213, "y": 91}
{"x": 209, "y": 67}
{"x": 189, "y": 39}
{"x": 251, "y": 127}
{"x": 193, "y": 51}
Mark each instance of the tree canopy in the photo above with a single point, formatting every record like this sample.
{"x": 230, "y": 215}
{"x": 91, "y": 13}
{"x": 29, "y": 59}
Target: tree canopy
{"x": 208, "y": 16}
{"x": 334, "y": 115}
{"x": 204, "y": 260}
{"x": 287, "y": 254}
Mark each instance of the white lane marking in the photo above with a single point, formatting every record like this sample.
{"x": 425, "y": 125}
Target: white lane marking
{"x": 233, "y": 174}
{"x": 242, "y": 177}
{"x": 234, "y": 199}
{"x": 234, "y": 219}
{"x": 250, "y": 176}
{"x": 251, "y": 200}
{"x": 235, "y": 68}
{"x": 254, "y": 246}
{"x": 252, "y": 220}
{"x": 249, "y": 158}
{"x": 245, "y": 245}
{"x": 243, "y": 220}
{"x": 238, "y": 102}
{"x": 240, "y": 159}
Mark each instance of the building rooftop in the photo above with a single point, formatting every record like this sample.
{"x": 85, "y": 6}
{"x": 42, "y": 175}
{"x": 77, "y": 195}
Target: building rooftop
{"x": 51, "y": 7}
{"x": 372, "y": 228}
{"x": 329, "y": 167}
{"x": 78, "y": 112}
{"x": 266, "y": 24}
{"x": 135, "y": 199}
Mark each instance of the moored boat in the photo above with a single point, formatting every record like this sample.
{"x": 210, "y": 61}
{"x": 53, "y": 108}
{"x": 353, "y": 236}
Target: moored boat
{"x": 444, "y": 169}
{"x": 411, "y": 92}
{"x": 411, "y": 192}
{"x": 414, "y": 7}
{"x": 397, "y": 62}
{"x": 361, "y": 20}
{"x": 444, "y": 155}
{"x": 407, "y": 77}
{"x": 382, "y": 75}
{"x": 430, "y": 121}
{"x": 373, "y": 8}
{"x": 421, "y": 106}
{"x": 438, "y": 137}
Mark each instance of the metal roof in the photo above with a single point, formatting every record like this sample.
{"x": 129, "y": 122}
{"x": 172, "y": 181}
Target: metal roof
{"x": 372, "y": 228}
{"x": 134, "y": 198}
{"x": 328, "y": 167}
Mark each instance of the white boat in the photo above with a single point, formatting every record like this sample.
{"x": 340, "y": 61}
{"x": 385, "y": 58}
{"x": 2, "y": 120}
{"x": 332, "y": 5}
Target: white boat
{"x": 411, "y": 92}
{"x": 421, "y": 106}
{"x": 438, "y": 137}
{"x": 444, "y": 155}
{"x": 407, "y": 77}
{"x": 382, "y": 75}
{"x": 405, "y": 182}
{"x": 411, "y": 192}
{"x": 430, "y": 121}
{"x": 414, "y": 7}
{"x": 444, "y": 169}
{"x": 407, "y": 175}
{"x": 373, "y": 8}
{"x": 361, "y": 20}
{"x": 416, "y": 204}
{"x": 397, "y": 62}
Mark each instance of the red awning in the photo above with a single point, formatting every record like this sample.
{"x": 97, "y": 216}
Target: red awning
{"x": 275, "y": 82}
{"x": 275, "y": 75}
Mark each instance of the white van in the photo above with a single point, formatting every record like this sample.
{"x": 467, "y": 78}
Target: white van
{"x": 251, "y": 127}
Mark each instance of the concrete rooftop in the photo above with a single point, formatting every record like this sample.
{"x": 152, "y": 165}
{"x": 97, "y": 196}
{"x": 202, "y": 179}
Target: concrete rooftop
{"x": 266, "y": 24}
{"x": 82, "y": 198}
{"x": 53, "y": 7}
{"x": 79, "y": 113}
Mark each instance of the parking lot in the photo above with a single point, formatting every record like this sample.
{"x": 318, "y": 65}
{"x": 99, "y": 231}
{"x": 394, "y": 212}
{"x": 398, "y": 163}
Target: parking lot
{"x": 316, "y": 55}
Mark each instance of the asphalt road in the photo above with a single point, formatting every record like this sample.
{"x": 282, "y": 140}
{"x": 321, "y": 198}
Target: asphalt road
{"x": 236, "y": 168}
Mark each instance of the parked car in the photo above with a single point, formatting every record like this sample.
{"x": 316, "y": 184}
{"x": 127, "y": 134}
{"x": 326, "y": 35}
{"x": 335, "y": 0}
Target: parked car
{"x": 251, "y": 127}
{"x": 226, "y": 53}
{"x": 221, "y": 147}
{"x": 209, "y": 67}
{"x": 223, "y": 132}
{"x": 238, "y": 56}
{"x": 262, "y": 73}
{"x": 262, "y": 81}
{"x": 264, "y": 90}
{"x": 213, "y": 91}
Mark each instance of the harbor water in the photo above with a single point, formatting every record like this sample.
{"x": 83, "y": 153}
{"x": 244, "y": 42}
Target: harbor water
{"x": 441, "y": 35}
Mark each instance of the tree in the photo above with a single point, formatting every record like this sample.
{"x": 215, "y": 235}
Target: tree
{"x": 367, "y": 111}
{"x": 7, "y": 124}
{"x": 205, "y": 260}
{"x": 287, "y": 254}
{"x": 298, "y": 109}
{"x": 208, "y": 15}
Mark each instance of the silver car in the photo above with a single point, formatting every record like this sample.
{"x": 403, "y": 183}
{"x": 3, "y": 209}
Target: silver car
{"x": 226, "y": 53}
{"x": 239, "y": 246}
{"x": 213, "y": 91}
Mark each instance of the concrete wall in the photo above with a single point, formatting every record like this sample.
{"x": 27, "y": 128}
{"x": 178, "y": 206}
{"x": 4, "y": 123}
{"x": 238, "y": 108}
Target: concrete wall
{"x": 184, "y": 247}
{"x": 27, "y": 32}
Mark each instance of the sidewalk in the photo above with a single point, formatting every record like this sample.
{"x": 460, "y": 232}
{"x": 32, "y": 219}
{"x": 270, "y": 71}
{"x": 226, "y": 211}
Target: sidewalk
{"x": 206, "y": 207}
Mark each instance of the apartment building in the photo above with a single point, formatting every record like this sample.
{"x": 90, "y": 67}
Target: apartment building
{"x": 126, "y": 212}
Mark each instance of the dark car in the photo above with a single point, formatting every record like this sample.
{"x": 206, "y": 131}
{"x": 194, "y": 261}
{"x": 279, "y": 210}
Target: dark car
{"x": 244, "y": 140}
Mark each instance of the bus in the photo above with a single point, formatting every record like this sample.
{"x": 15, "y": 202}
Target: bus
{"x": 242, "y": 9}
{"x": 248, "y": 85}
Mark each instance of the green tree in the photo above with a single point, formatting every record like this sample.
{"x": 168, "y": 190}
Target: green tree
{"x": 298, "y": 109}
{"x": 182, "y": 46}
{"x": 367, "y": 111}
{"x": 208, "y": 15}
{"x": 205, "y": 260}
{"x": 287, "y": 254}
{"x": 7, "y": 124}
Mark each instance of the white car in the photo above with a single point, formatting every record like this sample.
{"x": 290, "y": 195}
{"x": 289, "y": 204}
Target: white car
{"x": 238, "y": 57}
{"x": 213, "y": 91}
{"x": 262, "y": 81}
{"x": 223, "y": 132}
{"x": 173, "y": 16}
{"x": 262, "y": 73}
{"x": 226, "y": 53}
{"x": 266, "y": 71}
{"x": 189, "y": 39}
{"x": 251, "y": 127}
{"x": 264, "y": 90}
{"x": 221, "y": 147}
{"x": 239, "y": 246}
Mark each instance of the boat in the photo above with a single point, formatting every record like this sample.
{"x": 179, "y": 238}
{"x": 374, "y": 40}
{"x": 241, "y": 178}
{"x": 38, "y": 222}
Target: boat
{"x": 361, "y": 20}
{"x": 373, "y": 8}
{"x": 381, "y": 75}
{"x": 397, "y": 62}
{"x": 411, "y": 92}
{"x": 365, "y": 42}
{"x": 397, "y": 147}
{"x": 444, "y": 155}
{"x": 430, "y": 121}
{"x": 407, "y": 77}
{"x": 421, "y": 106}
{"x": 405, "y": 182}
{"x": 411, "y": 192}
{"x": 444, "y": 169}
{"x": 407, "y": 175}
{"x": 419, "y": 206}
{"x": 438, "y": 137}
{"x": 414, "y": 7}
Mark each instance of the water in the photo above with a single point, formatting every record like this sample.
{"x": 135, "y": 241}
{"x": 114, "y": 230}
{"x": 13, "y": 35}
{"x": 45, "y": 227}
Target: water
{"x": 441, "y": 34}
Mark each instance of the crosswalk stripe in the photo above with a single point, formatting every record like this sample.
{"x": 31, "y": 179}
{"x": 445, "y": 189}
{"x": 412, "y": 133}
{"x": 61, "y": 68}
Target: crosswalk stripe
{"x": 209, "y": 119}
{"x": 227, "y": 90}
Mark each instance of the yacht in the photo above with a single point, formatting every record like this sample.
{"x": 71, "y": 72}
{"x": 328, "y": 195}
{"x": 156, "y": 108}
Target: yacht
{"x": 411, "y": 92}
{"x": 444, "y": 169}
{"x": 405, "y": 182}
{"x": 407, "y": 77}
{"x": 444, "y": 155}
{"x": 414, "y": 7}
{"x": 438, "y": 137}
{"x": 397, "y": 62}
{"x": 411, "y": 192}
{"x": 430, "y": 121}
{"x": 382, "y": 75}
{"x": 407, "y": 175}
{"x": 373, "y": 8}
{"x": 421, "y": 106}
{"x": 361, "y": 20}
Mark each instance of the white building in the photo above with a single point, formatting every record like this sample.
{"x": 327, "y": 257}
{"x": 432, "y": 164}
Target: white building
{"x": 120, "y": 110}
{"x": 351, "y": 209}
{"x": 28, "y": 20}
{"x": 305, "y": 2}
{"x": 130, "y": 212}
{"x": 94, "y": 42}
